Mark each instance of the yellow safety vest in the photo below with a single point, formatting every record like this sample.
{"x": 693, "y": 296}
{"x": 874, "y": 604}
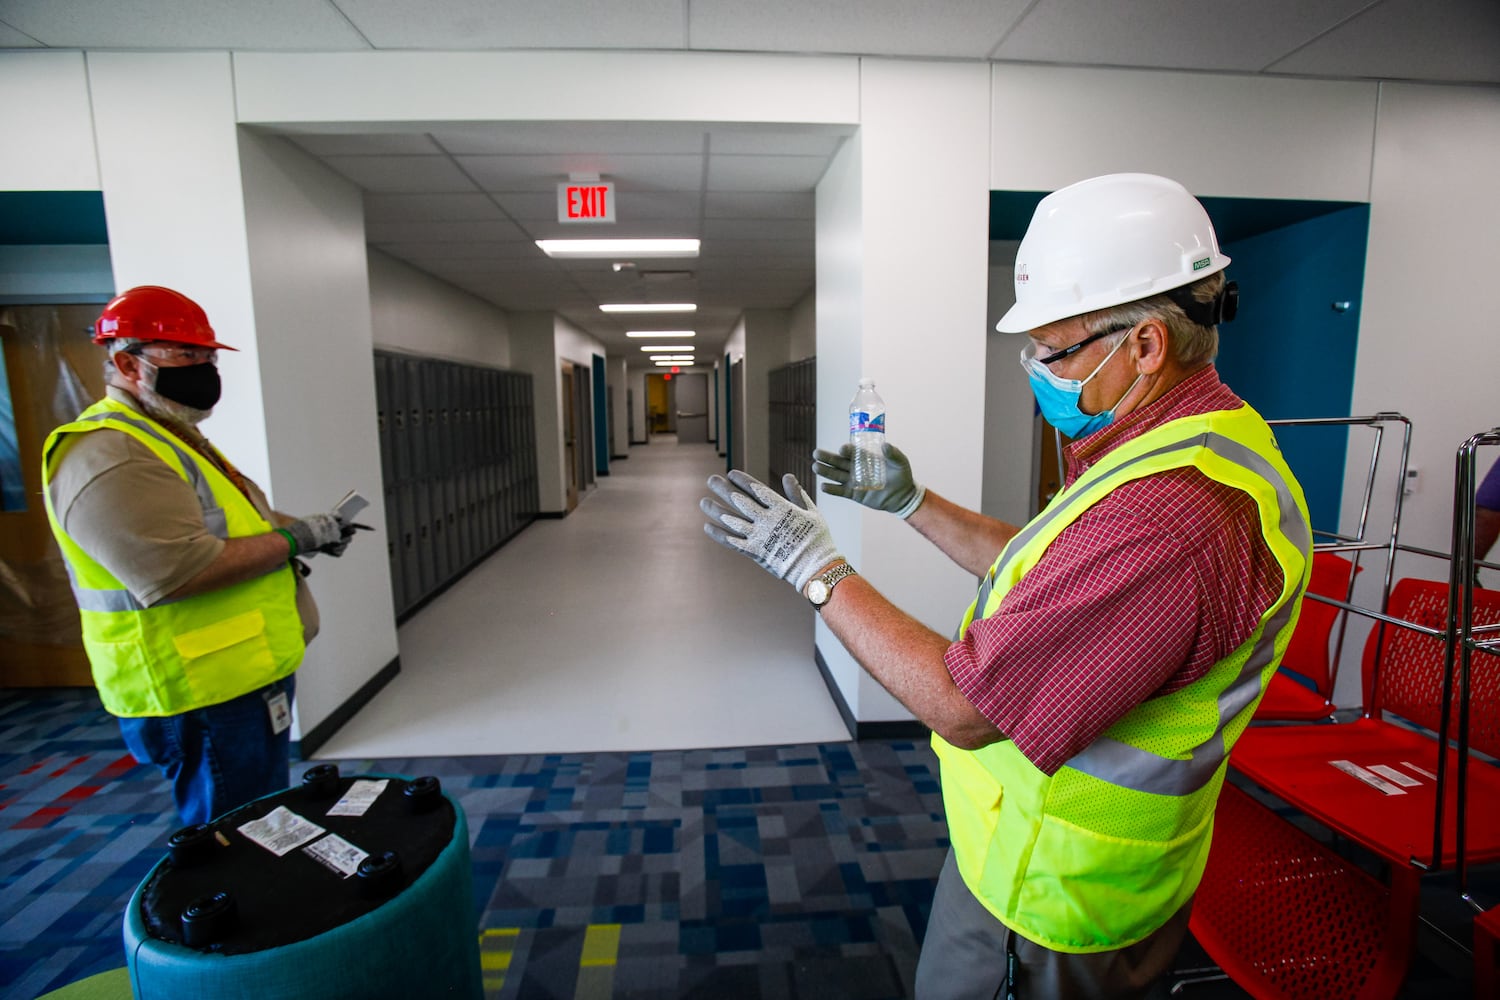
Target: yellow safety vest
{"x": 179, "y": 655}
{"x": 1099, "y": 855}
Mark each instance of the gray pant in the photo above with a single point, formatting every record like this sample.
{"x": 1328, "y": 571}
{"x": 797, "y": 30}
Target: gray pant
{"x": 964, "y": 956}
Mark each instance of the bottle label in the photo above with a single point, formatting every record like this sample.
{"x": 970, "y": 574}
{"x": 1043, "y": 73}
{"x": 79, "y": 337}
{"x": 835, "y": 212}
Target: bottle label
{"x": 861, "y": 422}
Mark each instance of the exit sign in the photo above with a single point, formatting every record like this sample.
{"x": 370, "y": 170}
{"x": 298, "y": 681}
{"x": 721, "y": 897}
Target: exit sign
{"x": 589, "y": 202}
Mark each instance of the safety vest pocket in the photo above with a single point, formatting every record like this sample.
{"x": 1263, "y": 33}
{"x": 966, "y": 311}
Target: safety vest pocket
{"x": 228, "y": 657}
{"x": 128, "y": 684}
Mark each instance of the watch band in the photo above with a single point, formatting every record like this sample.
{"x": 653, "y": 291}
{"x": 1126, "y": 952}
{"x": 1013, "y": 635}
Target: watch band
{"x": 830, "y": 579}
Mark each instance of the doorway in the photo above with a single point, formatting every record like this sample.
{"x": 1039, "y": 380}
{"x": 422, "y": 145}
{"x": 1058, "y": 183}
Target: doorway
{"x": 692, "y": 408}
{"x": 570, "y": 434}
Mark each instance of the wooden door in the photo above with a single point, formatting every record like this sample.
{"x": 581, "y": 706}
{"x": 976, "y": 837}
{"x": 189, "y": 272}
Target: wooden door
{"x": 570, "y": 435}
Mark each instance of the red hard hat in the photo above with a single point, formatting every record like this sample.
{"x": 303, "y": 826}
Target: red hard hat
{"x": 151, "y": 312}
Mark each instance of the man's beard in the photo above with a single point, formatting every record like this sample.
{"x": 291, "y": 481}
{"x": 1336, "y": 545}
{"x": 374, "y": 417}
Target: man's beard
{"x": 162, "y": 408}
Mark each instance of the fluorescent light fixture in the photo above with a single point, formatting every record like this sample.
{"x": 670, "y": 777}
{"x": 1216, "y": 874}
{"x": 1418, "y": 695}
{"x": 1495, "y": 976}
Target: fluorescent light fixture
{"x": 649, "y": 307}
{"x": 661, "y": 333}
{"x": 618, "y": 248}
{"x": 665, "y": 348}
{"x": 672, "y": 357}
{"x": 669, "y": 364}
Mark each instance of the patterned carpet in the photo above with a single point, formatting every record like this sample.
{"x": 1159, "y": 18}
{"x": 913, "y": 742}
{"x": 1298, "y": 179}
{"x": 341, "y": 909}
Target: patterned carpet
{"x": 776, "y": 872}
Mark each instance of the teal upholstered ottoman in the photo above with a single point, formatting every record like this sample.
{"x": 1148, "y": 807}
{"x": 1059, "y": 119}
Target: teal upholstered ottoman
{"x": 341, "y": 887}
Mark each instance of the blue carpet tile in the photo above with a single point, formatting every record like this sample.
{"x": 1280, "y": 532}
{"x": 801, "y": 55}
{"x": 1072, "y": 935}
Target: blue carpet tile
{"x": 768, "y": 872}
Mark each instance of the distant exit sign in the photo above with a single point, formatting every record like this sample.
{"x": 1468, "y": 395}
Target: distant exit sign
{"x": 591, "y": 202}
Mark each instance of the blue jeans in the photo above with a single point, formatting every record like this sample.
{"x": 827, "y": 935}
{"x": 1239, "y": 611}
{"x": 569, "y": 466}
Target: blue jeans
{"x": 217, "y": 757}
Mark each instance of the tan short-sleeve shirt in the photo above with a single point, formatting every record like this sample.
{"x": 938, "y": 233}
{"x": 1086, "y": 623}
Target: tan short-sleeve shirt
{"x": 139, "y": 519}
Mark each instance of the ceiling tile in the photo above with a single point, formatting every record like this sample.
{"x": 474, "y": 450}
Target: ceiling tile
{"x": 395, "y": 174}
{"x": 1456, "y": 40}
{"x": 758, "y": 229}
{"x": 519, "y": 24}
{"x": 552, "y": 138}
{"x": 10, "y": 38}
{"x": 765, "y": 173}
{"x": 377, "y": 231}
{"x": 761, "y": 140}
{"x": 957, "y": 28}
{"x": 759, "y": 205}
{"x": 628, "y": 171}
{"x": 391, "y": 144}
{"x": 431, "y": 208}
{"x": 277, "y": 25}
{"x": 1172, "y": 33}
{"x": 457, "y": 250}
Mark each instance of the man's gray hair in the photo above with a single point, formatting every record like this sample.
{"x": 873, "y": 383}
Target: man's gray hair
{"x": 113, "y": 347}
{"x": 1192, "y": 345}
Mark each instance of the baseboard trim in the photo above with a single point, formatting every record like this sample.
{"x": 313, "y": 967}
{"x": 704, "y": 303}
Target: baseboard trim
{"x": 313, "y": 740}
{"x": 897, "y": 730}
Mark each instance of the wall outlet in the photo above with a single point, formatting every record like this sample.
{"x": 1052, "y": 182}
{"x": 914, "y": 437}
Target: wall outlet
{"x": 1413, "y": 483}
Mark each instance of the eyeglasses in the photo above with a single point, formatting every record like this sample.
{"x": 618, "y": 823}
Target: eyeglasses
{"x": 177, "y": 355}
{"x": 1067, "y": 352}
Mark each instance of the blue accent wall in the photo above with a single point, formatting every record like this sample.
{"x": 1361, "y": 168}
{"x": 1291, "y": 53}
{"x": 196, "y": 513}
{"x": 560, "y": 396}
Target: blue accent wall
{"x": 1290, "y": 352}
{"x": 52, "y": 218}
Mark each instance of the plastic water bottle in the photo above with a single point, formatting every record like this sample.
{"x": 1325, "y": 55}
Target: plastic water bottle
{"x": 867, "y": 435}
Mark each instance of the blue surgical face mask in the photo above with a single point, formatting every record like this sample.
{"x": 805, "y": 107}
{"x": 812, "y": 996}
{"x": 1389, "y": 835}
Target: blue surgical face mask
{"x": 1057, "y": 397}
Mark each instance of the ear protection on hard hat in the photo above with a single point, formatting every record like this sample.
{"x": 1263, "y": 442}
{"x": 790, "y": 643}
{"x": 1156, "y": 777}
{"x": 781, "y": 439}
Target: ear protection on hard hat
{"x": 1220, "y": 309}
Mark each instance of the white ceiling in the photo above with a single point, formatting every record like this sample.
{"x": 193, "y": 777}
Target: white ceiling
{"x": 465, "y": 203}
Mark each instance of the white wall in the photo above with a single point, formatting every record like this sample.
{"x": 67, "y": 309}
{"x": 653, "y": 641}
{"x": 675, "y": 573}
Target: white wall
{"x": 637, "y": 381}
{"x": 306, "y": 236}
{"x": 175, "y": 209}
{"x": 1427, "y": 346}
{"x": 902, "y": 254}
{"x": 1009, "y": 484}
{"x": 56, "y": 273}
{"x": 47, "y": 121}
{"x": 415, "y": 312}
{"x": 618, "y": 381}
{"x": 533, "y": 350}
{"x": 803, "y": 327}
{"x": 766, "y": 347}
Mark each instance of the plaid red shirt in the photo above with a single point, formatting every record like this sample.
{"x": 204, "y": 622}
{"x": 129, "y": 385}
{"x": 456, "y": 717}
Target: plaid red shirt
{"x": 1138, "y": 597}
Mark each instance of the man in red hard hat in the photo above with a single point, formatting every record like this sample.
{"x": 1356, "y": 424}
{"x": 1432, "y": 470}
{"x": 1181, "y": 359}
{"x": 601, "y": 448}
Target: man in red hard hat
{"x": 194, "y": 614}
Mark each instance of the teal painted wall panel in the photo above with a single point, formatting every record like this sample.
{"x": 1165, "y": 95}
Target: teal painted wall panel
{"x": 1290, "y": 353}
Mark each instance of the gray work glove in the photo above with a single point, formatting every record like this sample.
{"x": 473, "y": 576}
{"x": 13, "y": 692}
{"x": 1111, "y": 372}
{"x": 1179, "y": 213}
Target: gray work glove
{"x": 787, "y": 537}
{"x": 319, "y": 533}
{"x": 901, "y": 494}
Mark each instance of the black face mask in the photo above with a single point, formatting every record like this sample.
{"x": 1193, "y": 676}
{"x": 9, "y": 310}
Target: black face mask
{"x": 191, "y": 385}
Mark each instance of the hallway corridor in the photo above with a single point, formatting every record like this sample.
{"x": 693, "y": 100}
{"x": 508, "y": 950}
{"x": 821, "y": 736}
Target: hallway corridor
{"x": 620, "y": 627}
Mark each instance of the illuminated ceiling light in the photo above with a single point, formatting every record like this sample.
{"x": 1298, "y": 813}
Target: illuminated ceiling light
{"x": 649, "y": 307}
{"x": 661, "y": 333}
{"x": 668, "y": 364}
{"x": 585, "y": 249}
{"x": 672, "y": 357}
{"x": 659, "y": 348}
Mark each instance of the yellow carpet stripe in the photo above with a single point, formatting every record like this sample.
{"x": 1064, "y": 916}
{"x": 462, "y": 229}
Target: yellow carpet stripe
{"x": 601, "y": 945}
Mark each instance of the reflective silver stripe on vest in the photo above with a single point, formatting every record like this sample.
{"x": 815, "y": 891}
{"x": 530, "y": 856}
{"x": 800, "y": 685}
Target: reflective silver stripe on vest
{"x": 213, "y": 515}
{"x": 108, "y": 600}
{"x": 1131, "y": 767}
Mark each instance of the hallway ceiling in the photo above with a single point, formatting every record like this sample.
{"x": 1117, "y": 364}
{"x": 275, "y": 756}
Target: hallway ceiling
{"x": 465, "y": 203}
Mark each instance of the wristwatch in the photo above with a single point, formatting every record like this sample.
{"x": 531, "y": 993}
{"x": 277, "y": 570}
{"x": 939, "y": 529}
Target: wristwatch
{"x": 820, "y": 588}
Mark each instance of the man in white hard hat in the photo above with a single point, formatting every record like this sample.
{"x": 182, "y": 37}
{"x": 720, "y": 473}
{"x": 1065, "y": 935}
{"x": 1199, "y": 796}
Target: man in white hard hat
{"x": 1084, "y": 710}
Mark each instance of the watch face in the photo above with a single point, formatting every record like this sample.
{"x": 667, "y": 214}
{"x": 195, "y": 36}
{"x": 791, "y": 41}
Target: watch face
{"x": 817, "y": 592}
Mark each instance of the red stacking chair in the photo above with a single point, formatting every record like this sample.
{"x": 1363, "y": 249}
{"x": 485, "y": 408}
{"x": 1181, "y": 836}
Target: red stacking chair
{"x": 1374, "y": 780}
{"x": 1307, "y": 655}
{"x": 1288, "y": 919}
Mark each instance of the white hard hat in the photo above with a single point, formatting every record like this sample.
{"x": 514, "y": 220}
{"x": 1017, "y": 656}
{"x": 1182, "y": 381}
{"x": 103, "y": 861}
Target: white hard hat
{"x": 1107, "y": 241}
